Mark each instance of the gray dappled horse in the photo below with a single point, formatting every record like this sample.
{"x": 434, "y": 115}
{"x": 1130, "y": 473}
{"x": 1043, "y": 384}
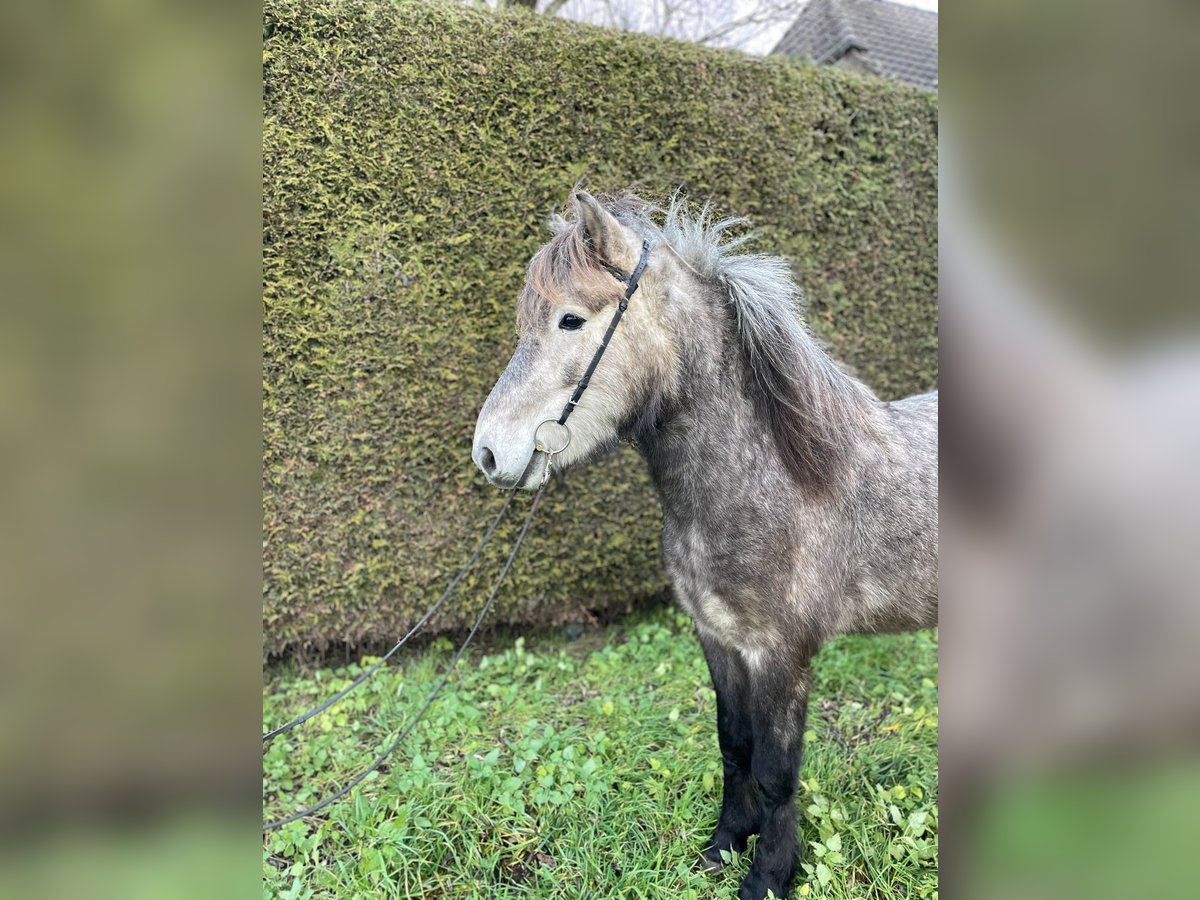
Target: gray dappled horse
{"x": 796, "y": 505}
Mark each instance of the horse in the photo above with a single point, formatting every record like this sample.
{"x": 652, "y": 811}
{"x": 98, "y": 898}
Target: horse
{"x": 796, "y": 505}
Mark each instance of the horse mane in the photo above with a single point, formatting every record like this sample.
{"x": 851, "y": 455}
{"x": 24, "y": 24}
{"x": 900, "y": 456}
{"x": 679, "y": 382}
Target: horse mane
{"x": 815, "y": 409}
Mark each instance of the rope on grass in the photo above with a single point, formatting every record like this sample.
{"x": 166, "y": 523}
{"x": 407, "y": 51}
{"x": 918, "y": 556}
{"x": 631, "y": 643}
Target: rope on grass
{"x": 387, "y": 751}
{"x": 429, "y": 613}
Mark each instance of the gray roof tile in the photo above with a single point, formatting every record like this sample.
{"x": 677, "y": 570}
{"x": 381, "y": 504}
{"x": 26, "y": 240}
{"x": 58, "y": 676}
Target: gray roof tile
{"x": 894, "y": 40}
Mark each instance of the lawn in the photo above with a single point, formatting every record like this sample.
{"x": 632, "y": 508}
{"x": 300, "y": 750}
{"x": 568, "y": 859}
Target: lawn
{"x": 589, "y": 768}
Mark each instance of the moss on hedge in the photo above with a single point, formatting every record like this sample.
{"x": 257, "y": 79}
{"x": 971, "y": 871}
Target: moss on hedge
{"x": 411, "y": 154}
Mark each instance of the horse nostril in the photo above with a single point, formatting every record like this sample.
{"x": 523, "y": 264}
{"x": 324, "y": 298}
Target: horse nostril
{"x": 487, "y": 461}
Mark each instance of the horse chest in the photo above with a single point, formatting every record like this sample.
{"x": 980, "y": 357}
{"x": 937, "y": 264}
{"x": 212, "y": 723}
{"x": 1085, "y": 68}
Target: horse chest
{"x": 706, "y": 592}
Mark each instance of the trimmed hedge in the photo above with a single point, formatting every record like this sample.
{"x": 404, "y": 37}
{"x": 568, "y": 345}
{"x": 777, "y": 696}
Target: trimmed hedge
{"x": 411, "y": 154}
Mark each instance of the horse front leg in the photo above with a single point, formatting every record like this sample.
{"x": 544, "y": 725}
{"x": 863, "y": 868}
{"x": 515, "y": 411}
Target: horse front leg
{"x": 779, "y": 704}
{"x": 739, "y": 800}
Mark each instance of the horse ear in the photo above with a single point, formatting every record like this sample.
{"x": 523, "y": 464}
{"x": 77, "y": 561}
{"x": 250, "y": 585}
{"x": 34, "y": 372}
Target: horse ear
{"x": 614, "y": 243}
{"x": 557, "y": 224}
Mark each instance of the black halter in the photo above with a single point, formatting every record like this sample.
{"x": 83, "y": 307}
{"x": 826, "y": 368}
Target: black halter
{"x": 631, "y": 285}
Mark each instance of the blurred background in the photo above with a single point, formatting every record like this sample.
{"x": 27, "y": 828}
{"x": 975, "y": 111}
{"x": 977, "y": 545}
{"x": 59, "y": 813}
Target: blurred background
{"x": 1070, "y": 609}
{"x": 130, "y": 403}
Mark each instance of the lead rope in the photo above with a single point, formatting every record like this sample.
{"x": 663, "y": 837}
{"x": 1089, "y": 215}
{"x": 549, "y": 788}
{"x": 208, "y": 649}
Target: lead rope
{"x": 429, "y": 613}
{"x": 387, "y": 751}
{"x": 631, "y": 286}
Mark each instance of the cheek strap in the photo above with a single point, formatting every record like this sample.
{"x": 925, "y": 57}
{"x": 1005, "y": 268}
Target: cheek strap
{"x": 631, "y": 285}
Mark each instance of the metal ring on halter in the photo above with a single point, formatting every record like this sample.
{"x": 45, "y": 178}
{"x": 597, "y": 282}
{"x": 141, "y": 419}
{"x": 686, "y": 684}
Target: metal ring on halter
{"x": 550, "y": 454}
{"x": 538, "y": 444}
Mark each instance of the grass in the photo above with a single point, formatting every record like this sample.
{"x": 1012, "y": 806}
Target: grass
{"x": 551, "y": 768}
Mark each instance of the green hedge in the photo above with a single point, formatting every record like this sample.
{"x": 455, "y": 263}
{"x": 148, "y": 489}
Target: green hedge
{"x": 412, "y": 152}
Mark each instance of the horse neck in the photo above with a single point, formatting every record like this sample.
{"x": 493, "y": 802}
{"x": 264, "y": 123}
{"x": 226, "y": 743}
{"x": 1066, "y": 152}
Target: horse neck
{"x": 703, "y": 435}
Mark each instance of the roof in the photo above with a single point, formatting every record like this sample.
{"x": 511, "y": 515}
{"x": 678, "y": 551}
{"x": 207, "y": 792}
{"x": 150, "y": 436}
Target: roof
{"x": 892, "y": 40}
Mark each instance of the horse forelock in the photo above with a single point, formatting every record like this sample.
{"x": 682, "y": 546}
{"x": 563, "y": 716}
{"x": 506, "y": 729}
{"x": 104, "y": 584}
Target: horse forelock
{"x": 564, "y": 271}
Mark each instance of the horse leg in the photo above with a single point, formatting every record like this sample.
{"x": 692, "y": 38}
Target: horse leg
{"x": 739, "y": 802}
{"x": 779, "y": 701}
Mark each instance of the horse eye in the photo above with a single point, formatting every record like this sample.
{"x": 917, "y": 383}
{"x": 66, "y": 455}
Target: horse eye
{"x": 570, "y": 322}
